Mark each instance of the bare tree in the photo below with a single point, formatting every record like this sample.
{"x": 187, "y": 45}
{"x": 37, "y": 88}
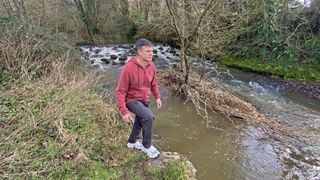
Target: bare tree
{"x": 88, "y": 13}
{"x": 203, "y": 27}
{"x": 187, "y": 28}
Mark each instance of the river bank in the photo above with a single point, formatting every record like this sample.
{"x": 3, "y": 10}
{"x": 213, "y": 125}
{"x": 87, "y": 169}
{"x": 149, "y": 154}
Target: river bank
{"x": 304, "y": 79}
{"x": 56, "y": 120}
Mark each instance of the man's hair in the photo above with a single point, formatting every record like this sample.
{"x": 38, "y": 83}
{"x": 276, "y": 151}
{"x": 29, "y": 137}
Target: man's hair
{"x": 143, "y": 42}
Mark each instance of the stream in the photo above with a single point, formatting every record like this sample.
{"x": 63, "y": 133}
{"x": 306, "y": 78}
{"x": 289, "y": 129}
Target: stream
{"x": 220, "y": 148}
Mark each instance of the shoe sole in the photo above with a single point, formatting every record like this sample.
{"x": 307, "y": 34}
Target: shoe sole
{"x": 151, "y": 157}
{"x": 140, "y": 148}
{"x": 134, "y": 147}
{"x": 154, "y": 157}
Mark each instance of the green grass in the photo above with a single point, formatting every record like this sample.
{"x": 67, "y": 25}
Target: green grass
{"x": 305, "y": 73}
{"x": 173, "y": 171}
{"x": 5, "y": 80}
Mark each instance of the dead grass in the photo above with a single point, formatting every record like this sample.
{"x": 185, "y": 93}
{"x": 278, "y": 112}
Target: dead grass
{"x": 211, "y": 96}
{"x": 58, "y": 119}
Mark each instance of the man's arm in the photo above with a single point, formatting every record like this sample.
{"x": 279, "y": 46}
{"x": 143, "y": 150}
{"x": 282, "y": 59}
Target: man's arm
{"x": 155, "y": 89}
{"x": 121, "y": 92}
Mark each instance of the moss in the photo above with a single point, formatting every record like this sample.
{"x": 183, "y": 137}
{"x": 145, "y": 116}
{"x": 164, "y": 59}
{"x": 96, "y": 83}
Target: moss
{"x": 305, "y": 72}
{"x": 173, "y": 171}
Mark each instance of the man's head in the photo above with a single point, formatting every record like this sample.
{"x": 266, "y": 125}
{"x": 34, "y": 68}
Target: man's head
{"x": 144, "y": 50}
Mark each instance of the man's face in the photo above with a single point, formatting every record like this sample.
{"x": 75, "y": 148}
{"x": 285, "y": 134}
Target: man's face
{"x": 146, "y": 53}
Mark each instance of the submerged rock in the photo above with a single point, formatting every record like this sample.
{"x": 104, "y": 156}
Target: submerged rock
{"x": 173, "y": 51}
{"x": 105, "y": 60}
{"x": 97, "y": 51}
{"x": 123, "y": 58}
{"x": 113, "y": 56}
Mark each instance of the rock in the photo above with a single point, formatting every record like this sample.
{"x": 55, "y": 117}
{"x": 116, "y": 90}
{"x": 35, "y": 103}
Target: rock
{"x": 173, "y": 51}
{"x": 96, "y": 56}
{"x": 96, "y": 65}
{"x": 155, "y": 56}
{"x": 115, "y": 48}
{"x": 160, "y": 48}
{"x": 155, "y": 51}
{"x": 123, "y": 58}
{"x": 114, "y": 62}
{"x": 132, "y": 51}
{"x": 105, "y": 60}
{"x": 97, "y": 51}
{"x": 126, "y": 54}
{"x": 113, "y": 56}
{"x": 166, "y": 157}
{"x": 92, "y": 61}
{"x": 124, "y": 46}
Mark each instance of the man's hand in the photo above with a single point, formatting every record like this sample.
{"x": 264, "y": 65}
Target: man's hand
{"x": 159, "y": 103}
{"x": 128, "y": 118}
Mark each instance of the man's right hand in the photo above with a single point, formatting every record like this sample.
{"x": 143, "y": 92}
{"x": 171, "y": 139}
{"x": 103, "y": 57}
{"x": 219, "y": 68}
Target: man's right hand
{"x": 128, "y": 118}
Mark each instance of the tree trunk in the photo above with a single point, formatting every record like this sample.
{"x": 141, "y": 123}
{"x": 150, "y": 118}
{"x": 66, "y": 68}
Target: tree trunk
{"x": 86, "y": 11}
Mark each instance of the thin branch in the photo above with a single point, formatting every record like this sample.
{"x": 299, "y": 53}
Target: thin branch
{"x": 174, "y": 20}
{"x": 203, "y": 14}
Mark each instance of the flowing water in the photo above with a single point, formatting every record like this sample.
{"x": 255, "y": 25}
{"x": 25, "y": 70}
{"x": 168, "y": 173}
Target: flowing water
{"x": 224, "y": 149}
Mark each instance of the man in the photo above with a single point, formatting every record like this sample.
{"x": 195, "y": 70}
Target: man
{"x": 137, "y": 81}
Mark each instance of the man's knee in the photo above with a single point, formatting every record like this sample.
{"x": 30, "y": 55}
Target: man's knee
{"x": 148, "y": 117}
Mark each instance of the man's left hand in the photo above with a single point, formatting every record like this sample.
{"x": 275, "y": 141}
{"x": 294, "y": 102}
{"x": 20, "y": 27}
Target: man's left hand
{"x": 159, "y": 103}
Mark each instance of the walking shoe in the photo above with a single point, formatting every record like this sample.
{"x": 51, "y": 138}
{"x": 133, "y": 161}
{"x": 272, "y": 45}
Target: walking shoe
{"x": 136, "y": 145}
{"x": 152, "y": 152}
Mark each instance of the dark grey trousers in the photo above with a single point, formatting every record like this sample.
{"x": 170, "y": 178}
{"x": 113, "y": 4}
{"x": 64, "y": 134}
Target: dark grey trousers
{"x": 143, "y": 120}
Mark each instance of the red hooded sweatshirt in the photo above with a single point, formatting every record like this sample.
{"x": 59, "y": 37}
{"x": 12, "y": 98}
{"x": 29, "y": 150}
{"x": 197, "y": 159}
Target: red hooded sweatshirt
{"x": 136, "y": 83}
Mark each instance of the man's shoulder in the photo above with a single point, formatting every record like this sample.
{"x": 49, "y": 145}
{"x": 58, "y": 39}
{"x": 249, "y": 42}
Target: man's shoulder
{"x": 130, "y": 63}
{"x": 152, "y": 65}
